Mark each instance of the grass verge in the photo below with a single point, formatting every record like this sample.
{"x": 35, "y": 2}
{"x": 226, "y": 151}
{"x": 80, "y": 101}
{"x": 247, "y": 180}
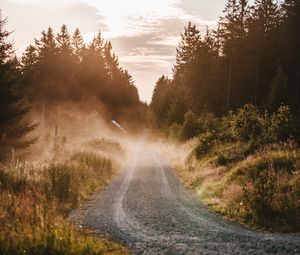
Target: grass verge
{"x": 36, "y": 199}
{"x": 261, "y": 189}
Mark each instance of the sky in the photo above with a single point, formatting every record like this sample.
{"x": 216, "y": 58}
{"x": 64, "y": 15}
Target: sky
{"x": 144, "y": 33}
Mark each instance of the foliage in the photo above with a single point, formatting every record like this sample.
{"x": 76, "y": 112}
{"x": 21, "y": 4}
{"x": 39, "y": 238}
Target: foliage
{"x": 251, "y": 58}
{"x": 190, "y": 126}
{"x": 205, "y": 142}
{"x": 61, "y": 68}
{"x": 13, "y": 126}
{"x": 247, "y": 123}
{"x": 281, "y": 125}
{"x": 271, "y": 190}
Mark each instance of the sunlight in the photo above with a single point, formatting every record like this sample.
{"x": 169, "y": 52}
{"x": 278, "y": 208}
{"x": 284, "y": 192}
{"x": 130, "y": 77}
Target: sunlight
{"x": 132, "y": 16}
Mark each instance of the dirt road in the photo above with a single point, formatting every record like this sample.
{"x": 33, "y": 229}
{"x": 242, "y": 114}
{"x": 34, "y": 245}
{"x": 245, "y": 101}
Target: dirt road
{"x": 148, "y": 211}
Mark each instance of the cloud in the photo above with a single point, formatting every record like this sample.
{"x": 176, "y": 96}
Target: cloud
{"x": 28, "y": 18}
{"x": 207, "y": 10}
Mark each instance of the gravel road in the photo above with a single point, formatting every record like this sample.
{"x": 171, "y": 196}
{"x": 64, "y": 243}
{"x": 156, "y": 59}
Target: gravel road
{"x": 148, "y": 211}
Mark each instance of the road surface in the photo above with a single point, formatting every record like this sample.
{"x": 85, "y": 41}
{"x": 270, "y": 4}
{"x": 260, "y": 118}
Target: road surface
{"x": 148, "y": 211}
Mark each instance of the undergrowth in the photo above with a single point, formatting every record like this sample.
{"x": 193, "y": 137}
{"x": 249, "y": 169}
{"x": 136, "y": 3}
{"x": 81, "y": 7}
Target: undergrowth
{"x": 36, "y": 199}
{"x": 261, "y": 189}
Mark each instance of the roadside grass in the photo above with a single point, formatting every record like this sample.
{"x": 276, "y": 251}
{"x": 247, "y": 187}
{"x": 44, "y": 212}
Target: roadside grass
{"x": 36, "y": 198}
{"x": 261, "y": 189}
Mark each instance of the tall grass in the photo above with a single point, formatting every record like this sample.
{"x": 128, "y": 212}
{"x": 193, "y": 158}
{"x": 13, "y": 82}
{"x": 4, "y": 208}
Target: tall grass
{"x": 35, "y": 201}
{"x": 261, "y": 189}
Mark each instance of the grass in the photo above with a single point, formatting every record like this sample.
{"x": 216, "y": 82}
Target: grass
{"x": 261, "y": 189}
{"x": 37, "y": 197}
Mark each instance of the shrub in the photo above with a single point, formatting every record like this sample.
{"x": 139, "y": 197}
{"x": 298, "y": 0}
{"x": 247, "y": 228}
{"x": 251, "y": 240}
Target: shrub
{"x": 205, "y": 142}
{"x": 190, "y": 126}
{"x": 208, "y": 122}
{"x": 270, "y": 191}
{"x": 231, "y": 153}
{"x": 281, "y": 127}
{"x": 247, "y": 123}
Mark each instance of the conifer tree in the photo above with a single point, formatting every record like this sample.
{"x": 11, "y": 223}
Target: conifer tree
{"x": 64, "y": 41}
{"x": 47, "y": 45}
{"x": 13, "y": 126}
{"x": 190, "y": 40}
{"x": 78, "y": 45}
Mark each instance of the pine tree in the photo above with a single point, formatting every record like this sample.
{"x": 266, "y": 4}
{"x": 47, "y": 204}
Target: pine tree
{"x": 13, "y": 127}
{"x": 111, "y": 61}
{"x": 187, "y": 48}
{"x": 78, "y": 45}
{"x": 160, "y": 102}
{"x": 29, "y": 59}
{"x": 64, "y": 41}
{"x": 47, "y": 46}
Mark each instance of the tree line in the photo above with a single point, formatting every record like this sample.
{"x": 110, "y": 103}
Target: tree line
{"x": 55, "y": 69}
{"x": 252, "y": 57}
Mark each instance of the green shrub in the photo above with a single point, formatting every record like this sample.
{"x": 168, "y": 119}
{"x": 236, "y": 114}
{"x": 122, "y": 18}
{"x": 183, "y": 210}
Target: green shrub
{"x": 281, "y": 127}
{"x": 205, "y": 143}
{"x": 247, "y": 123}
{"x": 270, "y": 191}
{"x": 208, "y": 122}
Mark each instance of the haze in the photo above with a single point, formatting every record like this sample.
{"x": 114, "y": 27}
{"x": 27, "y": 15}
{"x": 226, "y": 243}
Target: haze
{"x": 144, "y": 33}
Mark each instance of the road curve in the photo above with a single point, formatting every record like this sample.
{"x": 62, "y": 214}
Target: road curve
{"x": 148, "y": 211}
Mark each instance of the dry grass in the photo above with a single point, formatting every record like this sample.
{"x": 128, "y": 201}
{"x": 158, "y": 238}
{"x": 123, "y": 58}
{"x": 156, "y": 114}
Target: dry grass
{"x": 37, "y": 197}
{"x": 262, "y": 189}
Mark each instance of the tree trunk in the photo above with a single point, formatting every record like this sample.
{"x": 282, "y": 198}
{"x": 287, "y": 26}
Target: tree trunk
{"x": 229, "y": 84}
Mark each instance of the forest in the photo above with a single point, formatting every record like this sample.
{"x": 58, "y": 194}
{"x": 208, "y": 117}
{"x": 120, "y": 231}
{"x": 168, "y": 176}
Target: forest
{"x": 252, "y": 57}
{"x": 59, "y": 77}
{"x": 234, "y": 97}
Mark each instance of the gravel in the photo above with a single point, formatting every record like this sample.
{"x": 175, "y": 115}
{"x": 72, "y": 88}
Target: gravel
{"x": 148, "y": 211}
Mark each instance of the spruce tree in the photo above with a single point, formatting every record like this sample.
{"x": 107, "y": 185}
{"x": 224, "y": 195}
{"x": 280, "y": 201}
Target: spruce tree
{"x": 186, "y": 50}
{"x": 64, "y": 41}
{"x": 13, "y": 126}
{"x": 78, "y": 45}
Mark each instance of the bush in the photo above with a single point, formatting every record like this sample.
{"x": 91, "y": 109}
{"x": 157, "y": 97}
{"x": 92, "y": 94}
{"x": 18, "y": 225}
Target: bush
{"x": 281, "y": 128}
{"x": 247, "y": 124}
{"x": 270, "y": 191}
{"x": 208, "y": 122}
{"x": 205, "y": 142}
{"x": 190, "y": 126}
{"x": 231, "y": 154}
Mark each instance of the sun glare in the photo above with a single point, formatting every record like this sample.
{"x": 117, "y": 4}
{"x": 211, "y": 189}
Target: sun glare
{"x": 131, "y": 17}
